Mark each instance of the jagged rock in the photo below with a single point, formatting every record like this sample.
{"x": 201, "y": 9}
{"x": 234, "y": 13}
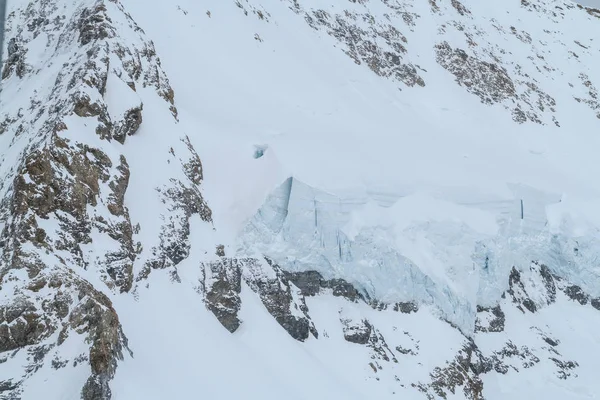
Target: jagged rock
{"x": 341, "y": 288}
{"x": 29, "y": 326}
{"x": 311, "y": 282}
{"x": 380, "y": 46}
{"x": 564, "y": 368}
{"x": 517, "y": 291}
{"x": 380, "y": 348}
{"x": 277, "y": 294}
{"x": 66, "y": 188}
{"x": 222, "y": 287}
{"x": 184, "y": 200}
{"x": 406, "y": 307}
{"x": 490, "y": 82}
{"x": 15, "y": 59}
{"x": 414, "y": 348}
{"x": 93, "y": 25}
{"x": 549, "y": 283}
{"x": 76, "y": 307}
{"x": 404, "y": 351}
{"x": 463, "y": 372}
{"x": 520, "y": 293}
{"x": 284, "y": 301}
{"x": 129, "y": 125}
{"x": 596, "y": 303}
{"x": 489, "y": 319}
{"x": 84, "y": 107}
{"x": 358, "y": 332}
{"x": 576, "y": 293}
{"x": 526, "y": 357}
{"x": 460, "y": 8}
{"x": 593, "y": 100}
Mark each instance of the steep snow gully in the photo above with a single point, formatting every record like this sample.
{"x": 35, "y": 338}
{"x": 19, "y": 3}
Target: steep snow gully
{"x": 365, "y": 199}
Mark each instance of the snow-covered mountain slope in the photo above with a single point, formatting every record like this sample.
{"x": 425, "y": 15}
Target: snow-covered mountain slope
{"x": 298, "y": 199}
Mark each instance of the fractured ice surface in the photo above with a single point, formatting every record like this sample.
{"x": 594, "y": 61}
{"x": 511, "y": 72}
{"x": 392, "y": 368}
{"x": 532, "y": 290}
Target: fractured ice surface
{"x": 418, "y": 248}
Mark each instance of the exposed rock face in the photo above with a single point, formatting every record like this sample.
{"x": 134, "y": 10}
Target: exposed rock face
{"x": 593, "y": 100}
{"x": 222, "y": 286}
{"x": 381, "y": 47}
{"x": 284, "y": 301}
{"x": 462, "y": 372}
{"x": 490, "y": 82}
{"x": 183, "y": 199}
{"x": 406, "y": 307}
{"x": 129, "y": 125}
{"x": 62, "y": 303}
{"x": 523, "y": 292}
{"x": 67, "y": 193}
{"x": 577, "y": 294}
{"x": 490, "y": 319}
{"x": 15, "y": 61}
{"x": 310, "y": 283}
{"x": 281, "y": 298}
{"x": 358, "y": 332}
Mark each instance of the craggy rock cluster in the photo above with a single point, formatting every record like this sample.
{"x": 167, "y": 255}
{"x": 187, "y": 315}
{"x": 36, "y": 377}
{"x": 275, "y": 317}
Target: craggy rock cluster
{"x": 489, "y": 81}
{"x": 480, "y": 67}
{"x": 358, "y": 332}
{"x": 283, "y": 295}
{"x": 69, "y": 188}
{"x": 60, "y": 302}
{"x": 221, "y": 287}
{"x": 490, "y": 319}
{"x": 593, "y": 100}
{"x": 381, "y": 47}
{"x": 310, "y": 283}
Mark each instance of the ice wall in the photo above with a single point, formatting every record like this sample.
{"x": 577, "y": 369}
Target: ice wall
{"x": 450, "y": 254}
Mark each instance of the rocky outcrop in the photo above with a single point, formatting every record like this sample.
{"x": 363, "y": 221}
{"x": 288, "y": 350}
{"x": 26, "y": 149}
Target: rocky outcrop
{"x": 183, "y": 200}
{"x": 358, "y": 332}
{"x": 380, "y": 46}
{"x": 406, "y": 307}
{"x": 310, "y": 283}
{"x": 52, "y": 308}
{"x": 593, "y": 98}
{"x": 222, "y": 287}
{"x": 489, "y": 81}
{"x": 62, "y": 206}
{"x": 526, "y": 293}
{"x": 281, "y": 298}
{"x": 15, "y": 59}
{"x": 461, "y": 373}
{"x": 490, "y": 319}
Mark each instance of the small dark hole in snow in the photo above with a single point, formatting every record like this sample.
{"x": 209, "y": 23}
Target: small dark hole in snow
{"x": 259, "y": 151}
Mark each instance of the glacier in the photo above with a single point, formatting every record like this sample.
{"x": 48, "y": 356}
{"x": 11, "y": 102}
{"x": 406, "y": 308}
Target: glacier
{"x": 418, "y": 248}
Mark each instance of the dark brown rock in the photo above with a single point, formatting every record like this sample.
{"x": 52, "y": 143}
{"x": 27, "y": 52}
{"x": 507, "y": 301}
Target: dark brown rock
{"x": 222, "y": 292}
{"x": 496, "y": 324}
{"x": 577, "y": 294}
